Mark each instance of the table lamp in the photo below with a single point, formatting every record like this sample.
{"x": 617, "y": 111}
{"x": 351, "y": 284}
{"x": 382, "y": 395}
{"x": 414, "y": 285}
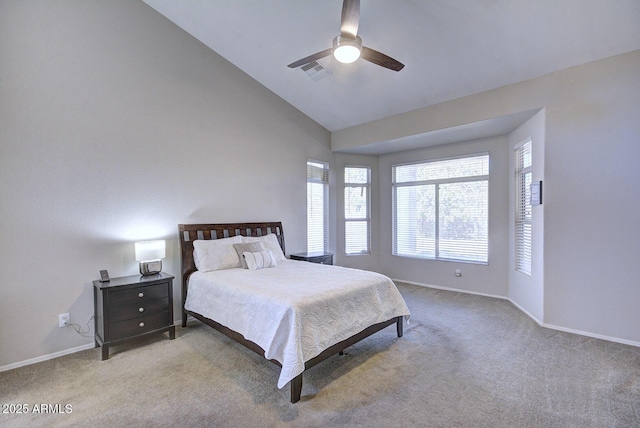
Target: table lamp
{"x": 149, "y": 254}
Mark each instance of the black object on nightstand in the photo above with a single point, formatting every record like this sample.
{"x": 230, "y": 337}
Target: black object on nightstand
{"x": 316, "y": 257}
{"x": 132, "y": 306}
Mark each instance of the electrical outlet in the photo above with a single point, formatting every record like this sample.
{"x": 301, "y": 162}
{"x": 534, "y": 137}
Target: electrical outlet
{"x": 63, "y": 320}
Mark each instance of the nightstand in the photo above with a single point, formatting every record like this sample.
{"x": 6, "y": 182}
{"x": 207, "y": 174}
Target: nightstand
{"x": 130, "y": 307}
{"x": 317, "y": 257}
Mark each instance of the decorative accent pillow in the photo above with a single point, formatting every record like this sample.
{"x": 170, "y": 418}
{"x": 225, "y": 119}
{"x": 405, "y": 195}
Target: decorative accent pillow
{"x": 249, "y": 247}
{"x": 259, "y": 260}
{"x": 216, "y": 254}
{"x": 270, "y": 243}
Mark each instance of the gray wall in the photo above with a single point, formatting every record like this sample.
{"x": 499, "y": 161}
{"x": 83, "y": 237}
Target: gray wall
{"x": 592, "y": 236}
{"x": 591, "y": 239}
{"x": 115, "y": 126}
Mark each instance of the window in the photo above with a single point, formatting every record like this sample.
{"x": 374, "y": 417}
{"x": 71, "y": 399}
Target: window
{"x": 523, "y": 207}
{"x": 357, "y": 208}
{"x": 317, "y": 205}
{"x": 441, "y": 209}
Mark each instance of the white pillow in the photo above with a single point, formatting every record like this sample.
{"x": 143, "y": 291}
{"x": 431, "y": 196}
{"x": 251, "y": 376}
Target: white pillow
{"x": 270, "y": 243}
{"x": 259, "y": 260}
{"x": 216, "y": 254}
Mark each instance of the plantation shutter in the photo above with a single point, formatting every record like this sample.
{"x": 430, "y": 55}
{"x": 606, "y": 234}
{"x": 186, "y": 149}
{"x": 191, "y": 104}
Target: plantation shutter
{"x": 317, "y": 206}
{"x": 523, "y": 208}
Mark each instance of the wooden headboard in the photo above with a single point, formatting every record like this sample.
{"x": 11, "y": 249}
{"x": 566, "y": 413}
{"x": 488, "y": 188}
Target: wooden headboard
{"x": 190, "y": 232}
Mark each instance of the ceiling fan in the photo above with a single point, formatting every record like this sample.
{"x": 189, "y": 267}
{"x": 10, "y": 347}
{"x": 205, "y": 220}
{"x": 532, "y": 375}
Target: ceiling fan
{"x": 347, "y": 47}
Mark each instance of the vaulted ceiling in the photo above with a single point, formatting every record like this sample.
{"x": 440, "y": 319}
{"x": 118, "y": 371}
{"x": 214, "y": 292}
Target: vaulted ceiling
{"x": 450, "y": 48}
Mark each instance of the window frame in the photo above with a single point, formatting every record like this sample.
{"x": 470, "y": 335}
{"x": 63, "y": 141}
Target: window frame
{"x": 319, "y": 175}
{"x": 523, "y": 209}
{"x": 437, "y": 183}
{"x": 367, "y": 219}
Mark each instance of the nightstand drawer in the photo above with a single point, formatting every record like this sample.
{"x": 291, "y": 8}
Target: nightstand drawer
{"x": 133, "y": 327}
{"x": 139, "y": 309}
{"x": 138, "y": 294}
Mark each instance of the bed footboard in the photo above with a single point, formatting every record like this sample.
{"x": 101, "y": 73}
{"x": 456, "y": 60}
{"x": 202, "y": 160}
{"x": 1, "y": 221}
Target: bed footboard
{"x": 296, "y": 383}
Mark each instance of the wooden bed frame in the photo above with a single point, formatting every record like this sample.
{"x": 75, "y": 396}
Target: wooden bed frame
{"x": 190, "y": 232}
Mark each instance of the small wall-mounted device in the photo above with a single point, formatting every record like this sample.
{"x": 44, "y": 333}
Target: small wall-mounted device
{"x": 104, "y": 276}
{"x": 536, "y": 193}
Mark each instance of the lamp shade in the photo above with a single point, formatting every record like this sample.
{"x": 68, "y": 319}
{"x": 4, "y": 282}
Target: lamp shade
{"x": 150, "y": 250}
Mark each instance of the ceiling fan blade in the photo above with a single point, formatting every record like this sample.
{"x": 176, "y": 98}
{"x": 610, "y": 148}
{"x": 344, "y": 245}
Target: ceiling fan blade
{"x": 350, "y": 18}
{"x": 316, "y": 56}
{"x": 381, "y": 59}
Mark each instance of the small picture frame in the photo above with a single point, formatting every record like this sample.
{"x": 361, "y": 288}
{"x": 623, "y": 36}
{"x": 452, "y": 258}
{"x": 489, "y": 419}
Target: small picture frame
{"x": 104, "y": 276}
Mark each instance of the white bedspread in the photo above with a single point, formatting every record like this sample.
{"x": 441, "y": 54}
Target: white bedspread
{"x": 296, "y": 310}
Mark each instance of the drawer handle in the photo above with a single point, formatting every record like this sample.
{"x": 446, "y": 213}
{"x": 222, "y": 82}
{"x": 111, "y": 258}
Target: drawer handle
{"x": 141, "y": 310}
{"x": 140, "y": 294}
{"x": 141, "y": 324}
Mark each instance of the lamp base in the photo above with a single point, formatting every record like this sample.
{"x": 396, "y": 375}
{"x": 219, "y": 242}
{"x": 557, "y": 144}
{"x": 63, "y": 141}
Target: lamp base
{"x": 151, "y": 268}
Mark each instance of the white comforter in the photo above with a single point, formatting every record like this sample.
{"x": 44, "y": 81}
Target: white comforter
{"x": 295, "y": 310}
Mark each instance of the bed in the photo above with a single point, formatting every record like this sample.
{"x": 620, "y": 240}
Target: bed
{"x": 236, "y": 279}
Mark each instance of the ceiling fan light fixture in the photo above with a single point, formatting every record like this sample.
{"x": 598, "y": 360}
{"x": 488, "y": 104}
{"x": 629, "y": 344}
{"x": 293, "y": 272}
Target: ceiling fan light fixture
{"x": 346, "y": 49}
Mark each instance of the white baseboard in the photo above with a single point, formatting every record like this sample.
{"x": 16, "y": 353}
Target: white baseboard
{"x": 457, "y": 290}
{"x": 58, "y": 354}
{"x": 593, "y": 335}
{"x": 540, "y": 323}
{"x": 47, "y": 357}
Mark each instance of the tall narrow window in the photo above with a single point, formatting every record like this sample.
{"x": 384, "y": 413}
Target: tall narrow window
{"x": 317, "y": 205}
{"x": 357, "y": 208}
{"x": 441, "y": 209}
{"x": 523, "y": 207}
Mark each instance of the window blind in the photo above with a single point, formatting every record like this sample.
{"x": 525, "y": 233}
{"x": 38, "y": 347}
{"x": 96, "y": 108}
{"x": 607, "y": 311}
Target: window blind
{"x": 523, "y": 208}
{"x": 357, "y": 194}
{"x": 317, "y": 206}
{"x": 441, "y": 209}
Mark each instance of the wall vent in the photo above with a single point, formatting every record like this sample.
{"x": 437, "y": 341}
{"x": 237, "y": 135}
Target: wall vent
{"x": 315, "y": 70}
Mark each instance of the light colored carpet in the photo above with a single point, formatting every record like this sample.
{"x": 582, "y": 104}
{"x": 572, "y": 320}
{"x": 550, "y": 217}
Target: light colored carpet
{"x": 464, "y": 361}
